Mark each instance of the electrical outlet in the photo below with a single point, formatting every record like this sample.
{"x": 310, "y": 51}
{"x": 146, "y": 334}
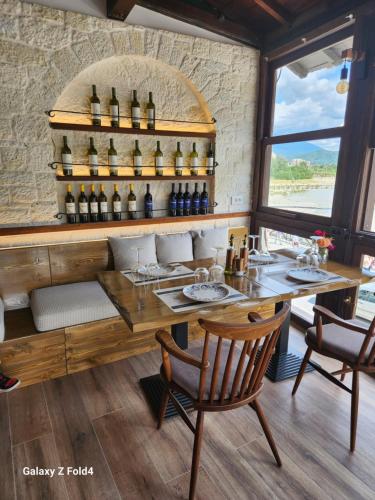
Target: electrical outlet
{"x": 236, "y": 199}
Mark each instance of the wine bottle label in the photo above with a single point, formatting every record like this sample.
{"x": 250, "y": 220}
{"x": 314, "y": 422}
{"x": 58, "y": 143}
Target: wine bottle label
{"x": 151, "y": 115}
{"x": 103, "y": 206}
{"x": 117, "y": 206}
{"x": 180, "y": 204}
{"x": 114, "y": 112}
{"x": 132, "y": 206}
{"x": 210, "y": 161}
{"x": 158, "y": 161}
{"x": 67, "y": 160}
{"x": 194, "y": 161}
{"x": 83, "y": 207}
{"x": 136, "y": 114}
{"x": 95, "y": 110}
{"x": 148, "y": 205}
{"x": 94, "y": 207}
{"x": 187, "y": 204}
{"x": 179, "y": 162}
{"x": 196, "y": 204}
{"x": 204, "y": 203}
{"x": 173, "y": 204}
{"x": 137, "y": 161}
{"x": 70, "y": 208}
{"x": 93, "y": 160}
{"x": 113, "y": 160}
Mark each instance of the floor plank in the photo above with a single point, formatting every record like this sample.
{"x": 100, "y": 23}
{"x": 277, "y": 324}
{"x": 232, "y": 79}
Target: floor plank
{"x": 6, "y": 459}
{"x": 76, "y": 442}
{"x": 42, "y": 453}
{"x": 28, "y": 414}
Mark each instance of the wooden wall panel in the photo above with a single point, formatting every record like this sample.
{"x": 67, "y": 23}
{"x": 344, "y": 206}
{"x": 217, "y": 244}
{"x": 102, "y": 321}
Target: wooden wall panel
{"x": 23, "y": 269}
{"x": 74, "y": 262}
{"x": 36, "y": 358}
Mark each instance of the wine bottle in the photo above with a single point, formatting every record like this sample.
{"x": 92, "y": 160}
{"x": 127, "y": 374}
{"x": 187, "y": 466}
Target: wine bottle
{"x": 116, "y": 203}
{"x": 135, "y": 111}
{"x": 194, "y": 161}
{"x": 210, "y": 161}
{"x": 95, "y": 108}
{"x": 132, "y": 203}
{"x": 172, "y": 206}
{"x": 148, "y": 203}
{"x": 70, "y": 206}
{"x": 93, "y": 158}
{"x": 180, "y": 201}
{"x": 150, "y": 112}
{"x": 83, "y": 206}
{"x": 179, "y": 160}
{"x": 114, "y": 109}
{"x": 103, "y": 205}
{"x": 187, "y": 201}
{"x": 196, "y": 201}
{"x": 112, "y": 159}
{"x": 158, "y": 159}
{"x": 204, "y": 201}
{"x": 66, "y": 157}
{"x": 93, "y": 205}
{"x": 137, "y": 159}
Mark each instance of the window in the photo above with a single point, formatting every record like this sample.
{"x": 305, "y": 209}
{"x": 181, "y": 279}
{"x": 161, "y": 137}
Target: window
{"x": 301, "y": 150}
{"x": 369, "y": 215}
{"x": 366, "y": 295}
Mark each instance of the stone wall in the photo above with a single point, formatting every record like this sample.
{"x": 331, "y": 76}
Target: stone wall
{"x": 46, "y": 54}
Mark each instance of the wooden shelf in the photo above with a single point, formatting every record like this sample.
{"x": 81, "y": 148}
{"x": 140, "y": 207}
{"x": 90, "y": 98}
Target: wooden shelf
{"x": 133, "y": 178}
{"x": 53, "y": 228}
{"x": 128, "y": 130}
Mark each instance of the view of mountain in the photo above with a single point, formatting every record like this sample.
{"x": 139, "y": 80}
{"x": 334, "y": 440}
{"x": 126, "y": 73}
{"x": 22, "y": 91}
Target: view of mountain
{"x": 306, "y": 151}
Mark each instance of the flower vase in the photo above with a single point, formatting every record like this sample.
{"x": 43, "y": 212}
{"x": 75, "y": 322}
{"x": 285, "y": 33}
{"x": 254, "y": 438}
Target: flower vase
{"x": 323, "y": 254}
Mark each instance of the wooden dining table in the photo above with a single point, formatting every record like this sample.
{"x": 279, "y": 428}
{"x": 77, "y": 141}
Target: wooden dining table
{"x": 269, "y": 285}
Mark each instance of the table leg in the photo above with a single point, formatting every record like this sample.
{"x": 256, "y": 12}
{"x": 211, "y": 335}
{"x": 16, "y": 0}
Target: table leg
{"x": 284, "y": 364}
{"x": 153, "y": 386}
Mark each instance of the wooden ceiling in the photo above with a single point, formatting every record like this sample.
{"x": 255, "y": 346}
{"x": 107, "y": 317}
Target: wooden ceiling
{"x": 265, "y": 24}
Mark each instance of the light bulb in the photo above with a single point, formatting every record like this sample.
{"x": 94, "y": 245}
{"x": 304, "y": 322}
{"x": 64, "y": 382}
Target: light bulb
{"x": 342, "y": 87}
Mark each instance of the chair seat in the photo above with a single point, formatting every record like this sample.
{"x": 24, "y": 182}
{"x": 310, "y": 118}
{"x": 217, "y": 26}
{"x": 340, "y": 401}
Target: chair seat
{"x": 339, "y": 341}
{"x": 187, "y": 376}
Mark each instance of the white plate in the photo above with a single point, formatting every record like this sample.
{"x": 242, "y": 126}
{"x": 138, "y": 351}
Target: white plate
{"x": 206, "y": 292}
{"x": 263, "y": 259}
{"x": 157, "y": 272}
{"x": 309, "y": 274}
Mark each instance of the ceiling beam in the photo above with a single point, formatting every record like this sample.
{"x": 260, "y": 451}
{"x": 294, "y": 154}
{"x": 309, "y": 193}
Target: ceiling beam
{"x": 274, "y": 9}
{"x": 119, "y": 9}
{"x": 178, "y": 9}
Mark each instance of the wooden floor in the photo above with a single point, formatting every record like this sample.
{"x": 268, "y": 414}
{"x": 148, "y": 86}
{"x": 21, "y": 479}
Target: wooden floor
{"x": 100, "y": 419}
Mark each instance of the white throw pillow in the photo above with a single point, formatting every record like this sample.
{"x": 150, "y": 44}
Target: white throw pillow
{"x": 125, "y": 253}
{"x": 2, "y": 323}
{"x": 206, "y": 240}
{"x": 174, "y": 247}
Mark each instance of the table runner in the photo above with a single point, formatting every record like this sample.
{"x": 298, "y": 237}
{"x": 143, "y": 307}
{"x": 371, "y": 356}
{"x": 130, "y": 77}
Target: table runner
{"x": 177, "y": 302}
{"x": 180, "y": 272}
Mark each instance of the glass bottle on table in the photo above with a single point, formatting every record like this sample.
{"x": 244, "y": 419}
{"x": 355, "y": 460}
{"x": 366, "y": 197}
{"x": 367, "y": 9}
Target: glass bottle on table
{"x": 93, "y": 205}
{"x": 116, "y": 204}
{"x": 135, "y": 111}
{"x": 158, "y": 160}
{"x": 83, "y": 206}
{"x": 114, "y": 108}
{"x": 230, "y": 256}
{"x": 194, "y": 160}
{"x": 103, "y": 205}
{"x": 150, "y": 112}
{"x": 66, "y": 158}
{"x": 132, "y": 203}
{"x": 137, "y": 160}
{"x": 95, "y": 108}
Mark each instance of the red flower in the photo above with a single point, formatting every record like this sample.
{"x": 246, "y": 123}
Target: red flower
{"x": 319, "y": 232}
{"x": 331, "y": 247}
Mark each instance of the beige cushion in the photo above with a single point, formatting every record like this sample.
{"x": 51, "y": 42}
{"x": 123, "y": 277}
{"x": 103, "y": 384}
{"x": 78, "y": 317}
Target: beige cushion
{"x": 174, "y": 248}
{"x": 339, "y": 341}
{"x": 187, "y": 376}
{"x": 125, "y": 253}
{"x": 206, "y": 240}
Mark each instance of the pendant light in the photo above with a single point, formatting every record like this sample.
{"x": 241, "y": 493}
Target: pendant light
{"x": 343, "y": 86}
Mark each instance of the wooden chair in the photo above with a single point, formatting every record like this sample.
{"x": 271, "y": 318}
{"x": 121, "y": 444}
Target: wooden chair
{"x": 219, "y": 376}
{"x": 342, "y": 340}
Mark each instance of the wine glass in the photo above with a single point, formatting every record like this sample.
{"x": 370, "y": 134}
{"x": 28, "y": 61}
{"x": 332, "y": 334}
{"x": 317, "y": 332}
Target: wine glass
{"x": 216, "y": 271}
{"x": 253, "y": 250}
{"x": 314, "y": 256}
{"x": 136, "y": 267}
{"x": 201, "y": 275}
{"x": 153, "y": 273}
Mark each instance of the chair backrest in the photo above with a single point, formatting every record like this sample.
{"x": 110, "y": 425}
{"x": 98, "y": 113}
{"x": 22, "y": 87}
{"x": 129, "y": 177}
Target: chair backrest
{"x": 370, "y": 359}
{"x": 244, "y": 371}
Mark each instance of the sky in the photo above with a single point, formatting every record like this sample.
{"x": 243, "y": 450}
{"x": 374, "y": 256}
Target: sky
{"x": 309, "y": 103}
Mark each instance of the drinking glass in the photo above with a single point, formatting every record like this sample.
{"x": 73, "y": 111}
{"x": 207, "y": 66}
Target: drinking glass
{"x": 253, "y": 250}
{"x": 314, "y": 256}
{"x": 201, "y": 275}
{"x": 216, "y": 271}
{"x": 136, "y": 268}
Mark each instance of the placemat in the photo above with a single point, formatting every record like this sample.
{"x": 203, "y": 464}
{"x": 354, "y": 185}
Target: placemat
{"x": 180, "y": 272}
{"x": 177, "y": 302}
{"x": 281, "y": 259}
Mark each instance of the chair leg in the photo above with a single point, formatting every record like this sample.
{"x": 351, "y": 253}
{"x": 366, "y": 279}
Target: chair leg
{"x": 344, "y": 367}
{"x": 163, "y": 407}
{"x": 266, "y": 429}
{"x": 354, "y": 410}
{"x": 301, "y": 370}
{"x": 196, "y": 454}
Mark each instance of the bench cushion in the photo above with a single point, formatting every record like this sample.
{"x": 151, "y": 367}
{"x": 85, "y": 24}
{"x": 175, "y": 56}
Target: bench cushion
{"x": 125, "y": 251}
{"x": 177, "y": 247}
{"x": 206, "y": 240}
{"x": 67, "y": 305}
